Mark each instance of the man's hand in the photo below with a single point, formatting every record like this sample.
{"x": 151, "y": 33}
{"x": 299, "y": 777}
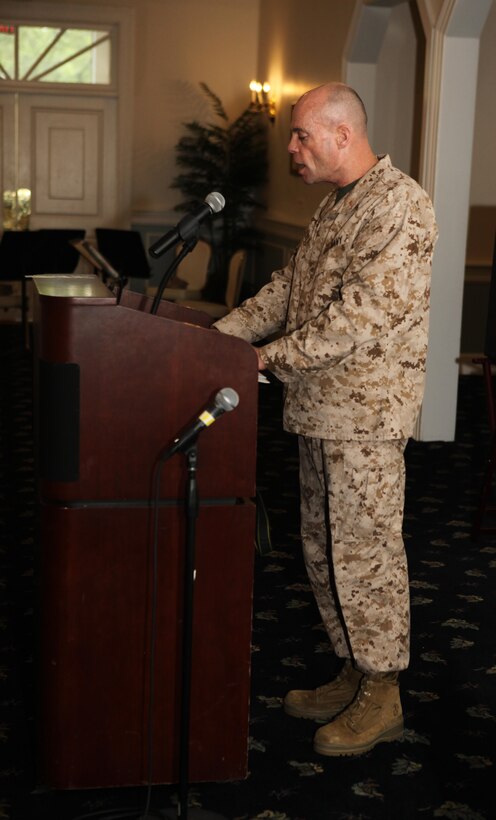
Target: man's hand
{"x": 261, "y": 363}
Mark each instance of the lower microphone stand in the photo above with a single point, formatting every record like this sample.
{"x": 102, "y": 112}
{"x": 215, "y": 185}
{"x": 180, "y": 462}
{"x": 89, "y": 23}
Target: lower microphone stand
{"x": 188, "y": 246}
{"x": 192, "y": 507}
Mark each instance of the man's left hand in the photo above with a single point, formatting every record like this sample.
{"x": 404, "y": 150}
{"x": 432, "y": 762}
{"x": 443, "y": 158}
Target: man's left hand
{"x": 261, "y": 363}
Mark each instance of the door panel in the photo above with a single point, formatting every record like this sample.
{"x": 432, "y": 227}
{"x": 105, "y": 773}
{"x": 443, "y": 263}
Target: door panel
{"x": 67, "y": 153}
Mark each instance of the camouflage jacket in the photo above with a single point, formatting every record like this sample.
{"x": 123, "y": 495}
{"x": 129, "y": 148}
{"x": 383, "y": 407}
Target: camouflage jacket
{"x": 351, "y": 312}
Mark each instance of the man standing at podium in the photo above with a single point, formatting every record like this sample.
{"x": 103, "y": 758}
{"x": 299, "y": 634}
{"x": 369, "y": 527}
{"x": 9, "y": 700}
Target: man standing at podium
{"x": 350, "y": 318}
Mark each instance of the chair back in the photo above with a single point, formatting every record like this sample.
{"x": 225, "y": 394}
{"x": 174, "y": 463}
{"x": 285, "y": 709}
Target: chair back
{"x": 235, "y": 278}
{"x": 194, "y": 267}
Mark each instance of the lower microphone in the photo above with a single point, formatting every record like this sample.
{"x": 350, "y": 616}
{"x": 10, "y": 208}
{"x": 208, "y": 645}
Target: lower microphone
{"x": 225, "y": 401}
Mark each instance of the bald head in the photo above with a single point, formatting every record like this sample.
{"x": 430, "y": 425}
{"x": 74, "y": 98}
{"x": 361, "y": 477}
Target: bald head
{"x": 329, "y": 140}
{"x": 336, "y": 103}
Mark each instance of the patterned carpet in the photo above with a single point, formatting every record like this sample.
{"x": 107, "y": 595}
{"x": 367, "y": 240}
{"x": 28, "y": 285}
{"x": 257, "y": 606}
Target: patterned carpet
{"x": 444, "y": 766}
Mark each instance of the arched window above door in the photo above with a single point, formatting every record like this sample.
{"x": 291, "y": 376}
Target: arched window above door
{"x": 55, "y": 54}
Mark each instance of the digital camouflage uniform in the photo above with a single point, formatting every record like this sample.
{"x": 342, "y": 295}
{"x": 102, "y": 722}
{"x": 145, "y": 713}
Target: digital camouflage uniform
{"x": 350, "y": 314}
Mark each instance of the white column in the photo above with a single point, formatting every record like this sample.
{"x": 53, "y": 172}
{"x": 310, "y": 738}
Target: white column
{"x": 449, "y": 107}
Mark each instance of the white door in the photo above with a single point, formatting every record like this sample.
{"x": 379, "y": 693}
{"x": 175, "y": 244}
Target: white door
{"x": 62, "y": 149}
{"x": 65, "y": 113}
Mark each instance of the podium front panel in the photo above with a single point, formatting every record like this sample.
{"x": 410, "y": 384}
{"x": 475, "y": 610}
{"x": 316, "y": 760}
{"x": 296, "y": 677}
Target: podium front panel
{"x": 114, "y": 386}
{"x": 96, "y": 642}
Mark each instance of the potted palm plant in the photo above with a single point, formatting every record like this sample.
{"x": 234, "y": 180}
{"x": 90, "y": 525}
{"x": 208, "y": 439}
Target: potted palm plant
{"x": 229, "y": 157}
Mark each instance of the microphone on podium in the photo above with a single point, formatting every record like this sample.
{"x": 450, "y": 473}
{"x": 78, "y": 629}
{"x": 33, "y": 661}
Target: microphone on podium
{"x": 188, "y": 226}
{"x": 225, "y": 401}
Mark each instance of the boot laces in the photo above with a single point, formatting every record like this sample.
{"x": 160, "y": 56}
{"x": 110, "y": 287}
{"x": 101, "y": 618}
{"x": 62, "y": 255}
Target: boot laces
{"x": 360, "y": 706}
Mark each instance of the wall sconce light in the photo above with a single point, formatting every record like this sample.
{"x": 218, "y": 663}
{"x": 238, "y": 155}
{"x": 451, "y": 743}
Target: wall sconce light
{"x": 261, "y": 101}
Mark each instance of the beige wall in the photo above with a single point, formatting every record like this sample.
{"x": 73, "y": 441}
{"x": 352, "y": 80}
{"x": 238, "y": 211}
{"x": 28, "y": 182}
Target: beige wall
{"x": 300, "y": 46}
{"x": 298, "y": 51}
{"x": 180, "y": 43}
{"x": 483, "y": 188}
{"x": 225, "y": 43}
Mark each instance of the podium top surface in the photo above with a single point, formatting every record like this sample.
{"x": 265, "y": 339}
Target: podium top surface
{"x": 70, "y": 285}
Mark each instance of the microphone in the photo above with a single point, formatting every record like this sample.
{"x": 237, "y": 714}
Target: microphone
{"x": 188, "y": 225}
{"x": 225, "y": 401}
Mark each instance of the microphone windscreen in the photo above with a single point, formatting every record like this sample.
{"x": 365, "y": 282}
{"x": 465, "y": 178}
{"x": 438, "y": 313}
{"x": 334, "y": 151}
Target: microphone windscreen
{"x": 215, "y": 201}
{"x": 227, "y": 399}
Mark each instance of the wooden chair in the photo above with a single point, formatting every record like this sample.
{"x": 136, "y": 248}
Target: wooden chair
{"x": 194, "y": 268}
{"x": 234, "y": 281}
{"x": 190, "y": 276}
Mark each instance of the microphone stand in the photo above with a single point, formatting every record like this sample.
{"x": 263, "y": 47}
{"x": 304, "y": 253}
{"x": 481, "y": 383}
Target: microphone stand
{"x": 119, "y": 287}
{"x": 188, "y": 246}
{"x": 192, "y": 507}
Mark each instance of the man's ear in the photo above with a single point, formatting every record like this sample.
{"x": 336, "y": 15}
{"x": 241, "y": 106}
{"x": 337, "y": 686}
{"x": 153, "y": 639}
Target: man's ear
{"x": 343, "y": 134}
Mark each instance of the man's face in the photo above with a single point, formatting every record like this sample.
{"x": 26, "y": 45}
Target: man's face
{"x": 313, "y": 145}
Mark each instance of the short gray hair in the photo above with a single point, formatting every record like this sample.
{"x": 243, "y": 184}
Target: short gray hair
{"x": 343, "y": 103}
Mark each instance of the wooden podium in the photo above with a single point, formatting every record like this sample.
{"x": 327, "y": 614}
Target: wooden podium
{"x": 114, "y": 385}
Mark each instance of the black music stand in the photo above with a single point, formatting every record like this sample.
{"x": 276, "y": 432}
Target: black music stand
{"x": 17, "y": 261}
{"x": 125, "y": 251}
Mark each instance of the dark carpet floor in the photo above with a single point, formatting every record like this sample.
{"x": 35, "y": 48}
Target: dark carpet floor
{"x": 445, "y": 764}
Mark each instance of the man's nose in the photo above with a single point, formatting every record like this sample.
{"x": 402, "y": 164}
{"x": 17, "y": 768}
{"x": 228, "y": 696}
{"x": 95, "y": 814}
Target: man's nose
{"x": 292, "y": 145}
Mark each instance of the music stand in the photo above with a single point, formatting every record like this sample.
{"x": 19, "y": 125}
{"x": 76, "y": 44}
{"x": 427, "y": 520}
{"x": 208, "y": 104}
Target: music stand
{"x": 17, "y": 261}
{"x": 125, "y": 251}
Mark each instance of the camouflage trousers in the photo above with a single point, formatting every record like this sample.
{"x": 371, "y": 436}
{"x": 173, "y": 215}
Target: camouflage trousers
{"x": 352, "y": 498}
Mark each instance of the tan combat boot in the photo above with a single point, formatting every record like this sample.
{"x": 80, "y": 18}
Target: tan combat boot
{"x": 374, "y": 716}
{"x": 327, "y": 701}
